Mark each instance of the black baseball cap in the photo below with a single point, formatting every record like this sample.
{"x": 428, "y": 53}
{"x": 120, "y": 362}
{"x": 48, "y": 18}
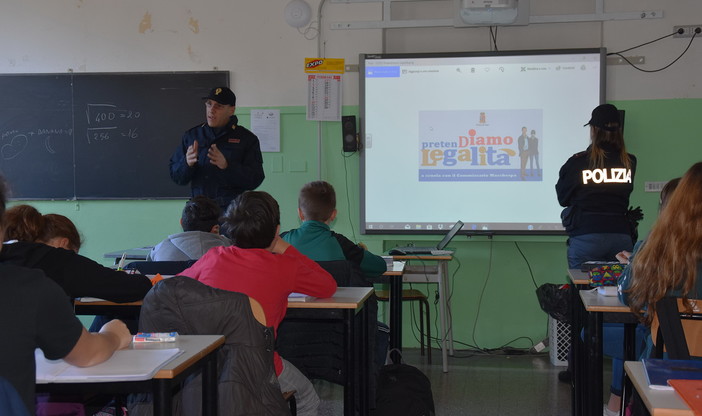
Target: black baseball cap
{"x": 222, "y": 95}
{"x": 605, "y": 114}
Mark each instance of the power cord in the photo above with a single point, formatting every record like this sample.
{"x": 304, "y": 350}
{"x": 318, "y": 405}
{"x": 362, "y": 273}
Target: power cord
{"x": 493, "y": 37}
{"x": 348, "y": 196}
{"x": 482, "y": 292}
{"x": 678, "y": 32}
{"x": 531, "y": 272}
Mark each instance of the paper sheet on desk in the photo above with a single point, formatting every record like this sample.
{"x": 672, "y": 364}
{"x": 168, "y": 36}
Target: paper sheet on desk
{"x": 124, "y": 365}
{"x": 89, "y": 299}
{"x": 299, "y": 297}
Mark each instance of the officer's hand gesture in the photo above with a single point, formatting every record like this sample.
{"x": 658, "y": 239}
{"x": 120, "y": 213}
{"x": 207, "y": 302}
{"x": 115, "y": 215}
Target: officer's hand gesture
{"x": 216, "y": 157}
{"x": 191, "y": 154}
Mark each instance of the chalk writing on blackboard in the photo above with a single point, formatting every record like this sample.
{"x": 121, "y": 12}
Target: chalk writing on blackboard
{"x": 15, "y": 142}
{"x": 108, "y": 121}
{"x": 97, "y": 135}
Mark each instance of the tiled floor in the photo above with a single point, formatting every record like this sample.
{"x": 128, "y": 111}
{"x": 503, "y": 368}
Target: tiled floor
{"x": 479, "y": 384}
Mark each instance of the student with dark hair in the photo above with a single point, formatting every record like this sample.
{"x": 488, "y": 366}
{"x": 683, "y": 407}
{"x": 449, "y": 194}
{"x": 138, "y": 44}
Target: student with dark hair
{"x": 34, "y": 314}
{"x": 60, "y": 232}
{"x": 263, "y": 266}
{"x": 23, "y": 223}
{"x": 315, "y": 239}
{"x": 200, "y": 222}
{"x": 79, "y": 276}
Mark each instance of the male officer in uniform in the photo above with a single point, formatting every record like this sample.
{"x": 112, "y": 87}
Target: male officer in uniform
{"x": 219, "y": 158}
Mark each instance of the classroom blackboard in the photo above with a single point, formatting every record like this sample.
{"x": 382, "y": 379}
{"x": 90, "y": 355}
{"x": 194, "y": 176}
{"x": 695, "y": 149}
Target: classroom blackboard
{"x": 98, "y": 135}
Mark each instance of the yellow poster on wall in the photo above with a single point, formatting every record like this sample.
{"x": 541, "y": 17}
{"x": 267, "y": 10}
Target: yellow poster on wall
{"x": 324, "y": 65}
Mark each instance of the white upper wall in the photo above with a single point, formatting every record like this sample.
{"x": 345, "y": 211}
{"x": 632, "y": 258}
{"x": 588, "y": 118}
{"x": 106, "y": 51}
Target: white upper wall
{"x": 265, "y": 56}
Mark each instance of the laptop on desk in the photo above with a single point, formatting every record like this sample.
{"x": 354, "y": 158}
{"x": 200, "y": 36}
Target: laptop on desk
{"x": 439, "y": 249}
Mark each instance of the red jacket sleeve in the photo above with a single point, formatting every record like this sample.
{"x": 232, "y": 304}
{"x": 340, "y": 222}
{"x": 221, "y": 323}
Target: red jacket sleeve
{"x": 310, "y": 278}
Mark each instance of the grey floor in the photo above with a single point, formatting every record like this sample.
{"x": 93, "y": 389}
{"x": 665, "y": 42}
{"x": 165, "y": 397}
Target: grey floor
{"x": 480, "y": 384}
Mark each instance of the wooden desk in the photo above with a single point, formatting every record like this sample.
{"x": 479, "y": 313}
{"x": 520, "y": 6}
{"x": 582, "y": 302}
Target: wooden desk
{"x": 658, "y": 402}
{"x": 105, "y": 307}
{"x": 200, "y": 354}
{"x": 600, "y": 309}
{"x": 347, "y": 306}
{"x": 425, "y": 273}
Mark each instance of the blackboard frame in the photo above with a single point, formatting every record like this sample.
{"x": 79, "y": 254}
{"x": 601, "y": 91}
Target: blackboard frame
{"x": 79, "y": 136}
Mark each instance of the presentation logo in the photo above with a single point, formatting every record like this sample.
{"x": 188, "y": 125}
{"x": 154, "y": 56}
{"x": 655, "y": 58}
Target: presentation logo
{"x": 485, "y": 145}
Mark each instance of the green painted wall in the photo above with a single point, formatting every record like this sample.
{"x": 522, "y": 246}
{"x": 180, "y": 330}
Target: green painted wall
{"x": 493, "y": 280}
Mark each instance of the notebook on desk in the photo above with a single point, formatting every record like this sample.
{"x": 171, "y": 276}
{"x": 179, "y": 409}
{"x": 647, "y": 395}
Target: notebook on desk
{"x": 439, "y": 249}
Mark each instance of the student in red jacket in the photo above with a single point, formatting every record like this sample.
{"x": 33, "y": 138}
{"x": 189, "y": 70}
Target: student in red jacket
{"x": 263, "y": 266}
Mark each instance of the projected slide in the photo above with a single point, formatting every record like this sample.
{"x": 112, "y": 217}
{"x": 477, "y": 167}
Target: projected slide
{"x": 472, "y": 137}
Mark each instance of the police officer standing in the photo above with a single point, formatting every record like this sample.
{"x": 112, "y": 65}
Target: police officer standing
{"x": 219, "y": 158}
{"x": 594, "y": 186}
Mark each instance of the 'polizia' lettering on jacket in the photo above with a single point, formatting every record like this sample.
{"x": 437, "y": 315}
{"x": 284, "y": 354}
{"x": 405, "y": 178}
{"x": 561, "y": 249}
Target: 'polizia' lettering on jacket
{"x": 612, "y": 175}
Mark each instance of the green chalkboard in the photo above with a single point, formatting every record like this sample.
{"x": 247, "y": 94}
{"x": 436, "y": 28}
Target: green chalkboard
{"x": 97, "y": 135}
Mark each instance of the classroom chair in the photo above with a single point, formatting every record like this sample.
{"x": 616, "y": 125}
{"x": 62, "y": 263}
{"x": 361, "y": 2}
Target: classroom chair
{"x": 677, "y": 329}
{"x": 421, "y": 298}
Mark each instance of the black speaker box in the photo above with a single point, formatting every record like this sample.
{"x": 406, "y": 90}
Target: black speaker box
{"x": 348, "y": 133}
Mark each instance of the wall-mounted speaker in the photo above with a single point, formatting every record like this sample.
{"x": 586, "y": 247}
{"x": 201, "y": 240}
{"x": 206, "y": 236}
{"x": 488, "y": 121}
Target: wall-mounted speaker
{"x": 348, "y": 133}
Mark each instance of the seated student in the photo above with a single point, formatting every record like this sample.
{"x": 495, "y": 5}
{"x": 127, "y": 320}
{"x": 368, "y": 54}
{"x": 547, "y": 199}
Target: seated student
{"x": 314, "y": 238}
{"x": 200, "y": 222}
{"x": 60, "y": 232}
{"x": 613, "y": 333}
{"x": 265, "y": 267}
{"x": 78, "y": 276}
{"x": 34, "y": 314}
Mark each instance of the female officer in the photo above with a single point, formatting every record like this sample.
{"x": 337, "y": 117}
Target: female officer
{"x": 594, "y": 186}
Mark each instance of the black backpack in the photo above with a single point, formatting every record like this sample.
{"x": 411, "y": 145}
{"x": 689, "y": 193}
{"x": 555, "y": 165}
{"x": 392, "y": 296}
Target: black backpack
{"x": 403, "y": 390}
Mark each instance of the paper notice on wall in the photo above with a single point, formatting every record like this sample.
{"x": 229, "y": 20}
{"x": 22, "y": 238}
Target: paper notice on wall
{"x": 266, "y": 125}
{"x": 324, "y": 97}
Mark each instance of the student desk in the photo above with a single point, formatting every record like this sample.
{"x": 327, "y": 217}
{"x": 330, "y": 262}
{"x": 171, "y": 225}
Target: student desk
{"x": 132, "y": 254}
{"x": 105, "y": 307}
{"x": 434, "y": 272}
{"x": 347, "y": 306}
{"x": 200, "y": 354}
{"x": 597, "y": 310}
{"x": 395, "y": 278}
{"x": 580, "y": 281}
{"x": 658, "y": 402}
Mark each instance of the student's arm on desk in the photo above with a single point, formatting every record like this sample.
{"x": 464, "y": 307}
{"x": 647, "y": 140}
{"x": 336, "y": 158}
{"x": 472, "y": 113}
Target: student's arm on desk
{"x": 371, "y": 264}
{"x": 308, "y": 276}
{"x": 94, "y": 348}
{"x": 81, "y": 276}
